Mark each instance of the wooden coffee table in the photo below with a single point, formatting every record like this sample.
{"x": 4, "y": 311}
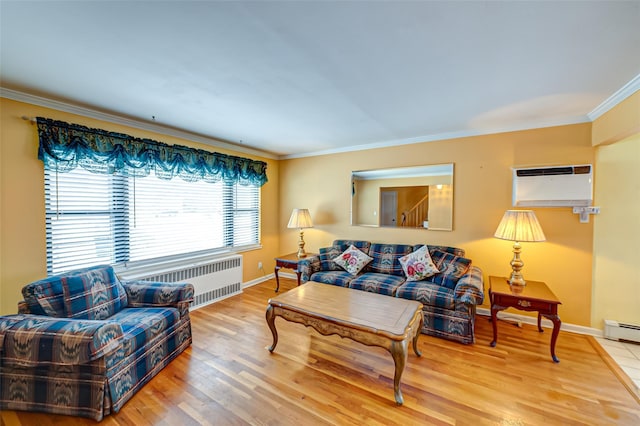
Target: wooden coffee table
{"x": 368, "y": 318}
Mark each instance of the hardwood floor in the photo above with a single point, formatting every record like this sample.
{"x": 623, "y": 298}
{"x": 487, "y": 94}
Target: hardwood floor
{"x": 229, "y": 377}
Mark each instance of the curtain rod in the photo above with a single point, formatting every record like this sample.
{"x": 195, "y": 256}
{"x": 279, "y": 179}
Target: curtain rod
{"x": 31, "y": 119}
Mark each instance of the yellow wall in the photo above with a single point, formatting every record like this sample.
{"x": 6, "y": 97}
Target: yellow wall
{"x": 616, "y": 277}
{"x": 482, "y": 192}
{"x": 22, "y": 223}
{"x": 616, "y": 280}
{"x": 618, "y": 123}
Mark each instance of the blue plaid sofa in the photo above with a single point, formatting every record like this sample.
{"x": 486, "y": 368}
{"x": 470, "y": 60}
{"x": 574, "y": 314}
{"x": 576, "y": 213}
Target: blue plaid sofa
{"x": 84, "y": 342}
{"x": 449, "y": 298}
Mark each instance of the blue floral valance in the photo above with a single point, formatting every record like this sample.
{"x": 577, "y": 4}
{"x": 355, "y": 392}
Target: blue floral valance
{"x": 65, "y": 146}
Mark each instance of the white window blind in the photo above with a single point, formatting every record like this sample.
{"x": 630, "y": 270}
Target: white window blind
{"x": 94, "y": 218}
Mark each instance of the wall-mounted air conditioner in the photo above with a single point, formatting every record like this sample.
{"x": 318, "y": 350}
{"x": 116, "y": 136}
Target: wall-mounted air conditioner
{"x": 564, "y": 186}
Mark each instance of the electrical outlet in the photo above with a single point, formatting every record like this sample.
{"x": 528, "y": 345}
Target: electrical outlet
{"x": 259, "y": 265}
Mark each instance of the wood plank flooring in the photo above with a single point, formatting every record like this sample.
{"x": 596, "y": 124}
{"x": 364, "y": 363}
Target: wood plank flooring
{"x": 228, "y": 377}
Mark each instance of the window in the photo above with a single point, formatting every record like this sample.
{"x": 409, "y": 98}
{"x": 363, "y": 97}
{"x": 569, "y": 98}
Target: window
{"x": 98, "y": 218}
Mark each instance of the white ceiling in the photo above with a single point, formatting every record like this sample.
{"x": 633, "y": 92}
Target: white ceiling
{"x": 299, "y": 77}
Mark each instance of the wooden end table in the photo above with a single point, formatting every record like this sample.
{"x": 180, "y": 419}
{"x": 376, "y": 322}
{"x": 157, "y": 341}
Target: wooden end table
{"x": 372, "y": 319}
{"x": 289, "y": 261}
{"x": 535, "y": 296}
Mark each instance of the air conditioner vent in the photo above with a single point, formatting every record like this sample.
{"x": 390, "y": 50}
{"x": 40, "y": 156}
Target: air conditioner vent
{"x": 563, "y": 186}
{"x": 550, "y": 171}
{"x": 545, "y": 171}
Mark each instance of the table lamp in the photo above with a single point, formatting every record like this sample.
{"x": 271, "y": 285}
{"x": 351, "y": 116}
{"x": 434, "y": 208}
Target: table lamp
{"x": 519, "y": 226}
{"x": 301, "y": 219}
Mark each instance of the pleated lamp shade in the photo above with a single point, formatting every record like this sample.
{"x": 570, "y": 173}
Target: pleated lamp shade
{"x": 300, "y": 219}
{"x": 520, "y": 225}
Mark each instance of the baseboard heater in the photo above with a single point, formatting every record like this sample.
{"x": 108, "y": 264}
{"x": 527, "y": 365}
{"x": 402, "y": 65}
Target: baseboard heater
{"x": 615, "y": 330}
{"x": 212, "y": 281}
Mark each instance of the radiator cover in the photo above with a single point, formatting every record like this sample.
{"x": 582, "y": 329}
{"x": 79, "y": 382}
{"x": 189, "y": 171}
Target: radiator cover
{"x": 212, "y": 281}
{"x": 615, "y": 330}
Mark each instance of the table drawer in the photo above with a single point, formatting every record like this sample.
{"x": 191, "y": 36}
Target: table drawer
{"x": 524, "y": 304}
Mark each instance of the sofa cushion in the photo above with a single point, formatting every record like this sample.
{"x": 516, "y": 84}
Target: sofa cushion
{"x": 418, "y": 265}
{"x": 352, "y": 260}
{"x": 141, "y": 325}
{"x": 428, "y": 293}
{"x": 377, "y": 283}
{"x": 94, "y": 294}
{"x": 33, "y": 340}
{"x": 451, "y": 267}
{"x": 359, "y": 244}
{"x": 339, "y": 278}
{"x": 386, "y": 258}
{"x": 453, "y": 250}
{"x": 326, "y": 256}
{"x": 45, "y": 297}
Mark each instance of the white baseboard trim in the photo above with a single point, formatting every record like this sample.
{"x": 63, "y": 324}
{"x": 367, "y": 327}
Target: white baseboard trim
{"x": 258, "y": 280}
{"x": 268, "y": 277}
{"x": 579, "y": 329}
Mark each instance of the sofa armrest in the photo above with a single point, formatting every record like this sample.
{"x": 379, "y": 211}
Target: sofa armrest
{"x": 155, "y": 294}
{"x": 31, "y": 340}
{"x": 308, "y": 266}
{"x": 470, "y": 287}
{"x": 23, "y": 307}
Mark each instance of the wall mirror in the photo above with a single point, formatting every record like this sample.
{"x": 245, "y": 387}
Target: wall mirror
{"x": 418, "y": 197}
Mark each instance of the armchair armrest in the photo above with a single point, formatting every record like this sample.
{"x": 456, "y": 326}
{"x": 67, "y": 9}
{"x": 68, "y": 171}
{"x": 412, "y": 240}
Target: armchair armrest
{"x": 154, "y": 294}
{"x": 31, "y": 340}
{"x": 308, "y": 266}
{"x": 470, "y": 287}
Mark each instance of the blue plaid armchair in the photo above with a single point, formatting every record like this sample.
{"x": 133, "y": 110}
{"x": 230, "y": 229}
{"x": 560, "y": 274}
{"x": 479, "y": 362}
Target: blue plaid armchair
{"x": 84, "y": 342}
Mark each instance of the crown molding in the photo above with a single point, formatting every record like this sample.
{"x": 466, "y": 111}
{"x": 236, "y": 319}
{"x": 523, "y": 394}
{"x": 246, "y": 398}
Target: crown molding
{"x": 623, "y": 93}
{"x": 627, "y": 90}
{"x": 443, "y": 136}
{"x": 138, "y": 124}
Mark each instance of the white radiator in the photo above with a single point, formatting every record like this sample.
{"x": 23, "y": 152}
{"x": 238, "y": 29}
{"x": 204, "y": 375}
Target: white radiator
{"x": 212, "y": 281}
{"x": 615, "y": 330}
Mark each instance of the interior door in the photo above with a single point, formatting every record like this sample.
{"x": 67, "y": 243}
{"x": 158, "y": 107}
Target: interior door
{"x": 388, "y": 208}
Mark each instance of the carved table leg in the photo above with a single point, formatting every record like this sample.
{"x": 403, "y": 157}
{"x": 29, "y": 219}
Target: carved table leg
{"x": 554, "y": 336}
{"x": 275, "y": 272}
{"x": 415, "y": 338}
{"x": 399, "y": 353}
{"x": 494, "y": 324}
{"x": 271, "y": 322}
{"x": 540, "y": 323}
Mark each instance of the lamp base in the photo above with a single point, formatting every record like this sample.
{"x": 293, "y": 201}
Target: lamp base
{"x": 516, "y": 277}
{"x": 301, "y": 252}
{"x": 517, "y": 280}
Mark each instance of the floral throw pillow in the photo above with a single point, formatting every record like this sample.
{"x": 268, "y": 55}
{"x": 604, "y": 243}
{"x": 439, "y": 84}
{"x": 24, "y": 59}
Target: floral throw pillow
{"x": 418, "y": 265}
{"x": 353, "y": 260}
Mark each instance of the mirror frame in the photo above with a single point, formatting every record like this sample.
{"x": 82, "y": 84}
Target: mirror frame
{"x": 367, "y": 187}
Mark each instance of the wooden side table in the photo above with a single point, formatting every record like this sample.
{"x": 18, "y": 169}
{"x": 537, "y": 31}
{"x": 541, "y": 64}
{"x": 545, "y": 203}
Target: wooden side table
{"x": 289, "y": 261}
{"x": 535, "y": 296}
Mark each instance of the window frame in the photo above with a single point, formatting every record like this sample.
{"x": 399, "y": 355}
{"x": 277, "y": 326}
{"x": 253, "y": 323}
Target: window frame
{"x": 121, "y": 237}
